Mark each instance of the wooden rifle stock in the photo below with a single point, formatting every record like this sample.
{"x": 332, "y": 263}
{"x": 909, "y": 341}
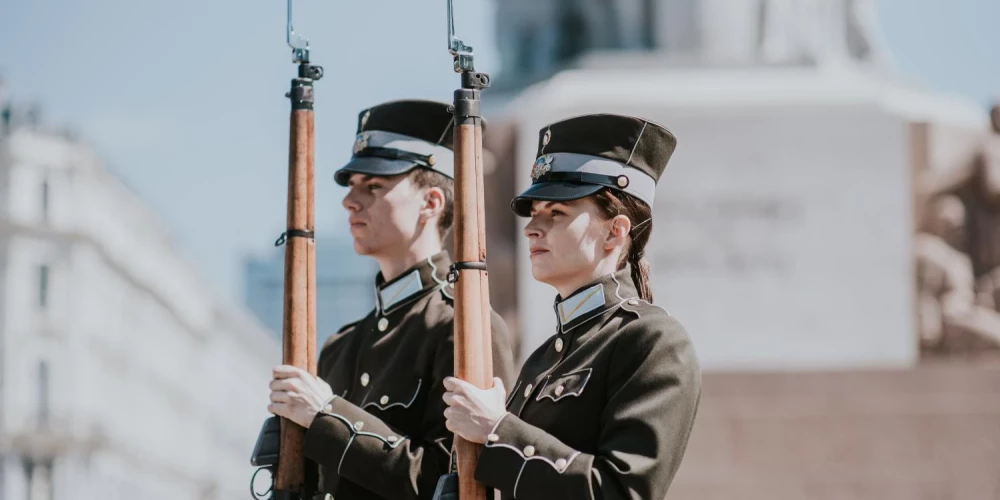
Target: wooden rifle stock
{"x": 473, "y": 356}
{"x": 299, "y": 315}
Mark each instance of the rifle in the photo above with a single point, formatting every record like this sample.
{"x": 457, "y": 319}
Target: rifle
{"x": 279, "y": 445}
{"x": 473, "y": 357}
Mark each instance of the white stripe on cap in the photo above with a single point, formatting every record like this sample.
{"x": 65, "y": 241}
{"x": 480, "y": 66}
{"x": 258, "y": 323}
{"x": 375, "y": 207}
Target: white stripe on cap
{"x": 444, "y": 158}
{"x": 640, "y": 184}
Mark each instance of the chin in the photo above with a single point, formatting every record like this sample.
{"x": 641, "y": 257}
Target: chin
{"x": 543, "y": 272}
{"x": 361, "y": 248}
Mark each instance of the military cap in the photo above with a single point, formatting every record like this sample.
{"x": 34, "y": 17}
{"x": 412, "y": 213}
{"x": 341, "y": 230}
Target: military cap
{"x": 579, "y": 156}
{"x": 398, "y": 136}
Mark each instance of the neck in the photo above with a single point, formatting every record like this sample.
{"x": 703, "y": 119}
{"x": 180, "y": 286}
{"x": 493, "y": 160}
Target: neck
{"x": 423, "y": 247}
{"x": 604, "y": 267}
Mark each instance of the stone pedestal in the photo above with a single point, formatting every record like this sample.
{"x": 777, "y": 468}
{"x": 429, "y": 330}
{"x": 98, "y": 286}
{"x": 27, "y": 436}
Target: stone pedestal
{"x": 783, "y": 224}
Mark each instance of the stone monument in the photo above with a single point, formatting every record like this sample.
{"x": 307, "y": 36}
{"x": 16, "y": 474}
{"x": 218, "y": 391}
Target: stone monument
{"x": 783, "y": 235}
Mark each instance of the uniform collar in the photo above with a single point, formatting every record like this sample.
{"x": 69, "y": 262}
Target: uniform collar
{"x": 427, "y": 274}
{"x": 593, "y": 299}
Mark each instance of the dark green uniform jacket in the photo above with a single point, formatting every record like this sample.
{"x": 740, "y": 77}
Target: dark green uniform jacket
{"x": 385, "y": 436}
{"x": 603, "y": 409}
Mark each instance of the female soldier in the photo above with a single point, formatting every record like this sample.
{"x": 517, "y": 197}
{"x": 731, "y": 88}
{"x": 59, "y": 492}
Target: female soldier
{"x": 604, "y": 408}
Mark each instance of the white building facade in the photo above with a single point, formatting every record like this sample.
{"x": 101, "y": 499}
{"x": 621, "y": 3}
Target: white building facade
{"x": 121, "y": 375}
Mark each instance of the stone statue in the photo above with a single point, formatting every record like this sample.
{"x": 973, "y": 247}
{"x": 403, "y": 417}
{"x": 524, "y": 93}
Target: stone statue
{"x": 958, "y": 251}
{"x": 950, "y": 318}
{"x": 819, "y": 31}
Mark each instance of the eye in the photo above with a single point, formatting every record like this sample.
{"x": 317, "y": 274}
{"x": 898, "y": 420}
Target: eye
{"x": 373, "y": 186}
{"x": 556, "y": 211}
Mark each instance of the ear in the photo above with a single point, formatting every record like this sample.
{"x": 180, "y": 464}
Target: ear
{"x": 433, "y": 204}
{"x": 618, "y": 229}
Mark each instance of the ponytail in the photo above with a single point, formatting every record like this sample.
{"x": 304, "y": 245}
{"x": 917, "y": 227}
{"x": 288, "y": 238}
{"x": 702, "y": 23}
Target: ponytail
{"x": 640, "y": 274}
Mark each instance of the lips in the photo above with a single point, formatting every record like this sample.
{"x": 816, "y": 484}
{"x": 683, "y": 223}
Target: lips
{"x": 537, "y": 251}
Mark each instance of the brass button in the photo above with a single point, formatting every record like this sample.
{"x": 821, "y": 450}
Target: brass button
{"x": 529, "y": 451}
{"x": 559, "y": 391}
{"x": 622, "y": 181}
{"x": 384, "y": 400}
{"x": 559, "y": 345}
{"x": 328, "y": 408}
{"x": 527, "y": 390}
{"x": 633, "y": 302}
{"x": 493, "y": 438}
{"x": 561, "y": 463}
{"x": 392, "y": 439}
{"x": 358, "y": 425}
{"x": 383, "y": 324}
{"x": 364, "y": 379}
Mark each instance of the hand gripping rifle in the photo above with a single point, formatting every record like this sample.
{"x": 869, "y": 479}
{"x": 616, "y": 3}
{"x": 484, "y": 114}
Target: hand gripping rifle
{"x": 473, "y": 357}
{"x": 279, "y": 445}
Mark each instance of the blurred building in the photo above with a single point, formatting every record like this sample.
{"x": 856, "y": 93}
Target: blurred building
{"x": 345, "y": 287}
{"x": 121, "y": 374}
{"x": 784, "y": 236}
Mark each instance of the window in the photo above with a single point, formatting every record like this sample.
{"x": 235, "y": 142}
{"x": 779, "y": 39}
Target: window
{"x": 42, "y": 390}
{"x": 43, "y": 286}
{"x": 45, "y": 200}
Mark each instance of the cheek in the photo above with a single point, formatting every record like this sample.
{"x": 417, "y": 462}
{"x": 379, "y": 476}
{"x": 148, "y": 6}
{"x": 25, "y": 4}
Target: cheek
{"x": 573, "y": 245}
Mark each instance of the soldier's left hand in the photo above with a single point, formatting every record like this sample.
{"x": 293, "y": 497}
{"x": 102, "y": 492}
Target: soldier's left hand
{"x": 297, "y": 395}
{"x": 472, "y": 412}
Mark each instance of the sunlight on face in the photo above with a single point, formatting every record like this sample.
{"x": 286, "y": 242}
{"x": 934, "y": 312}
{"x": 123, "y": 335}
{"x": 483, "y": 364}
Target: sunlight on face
{"x": 566, "y": 240}
{"x": 383, "y": 212}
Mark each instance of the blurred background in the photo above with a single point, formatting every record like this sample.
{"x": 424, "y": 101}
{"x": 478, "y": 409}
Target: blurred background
{"x": 828, "y": 229}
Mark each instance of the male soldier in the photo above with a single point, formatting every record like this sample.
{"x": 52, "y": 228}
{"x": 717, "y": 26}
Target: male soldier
{"x": 375, "y": 414}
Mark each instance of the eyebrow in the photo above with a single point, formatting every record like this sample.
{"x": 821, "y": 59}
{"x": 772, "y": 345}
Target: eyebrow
{"x": 364, "y": 179}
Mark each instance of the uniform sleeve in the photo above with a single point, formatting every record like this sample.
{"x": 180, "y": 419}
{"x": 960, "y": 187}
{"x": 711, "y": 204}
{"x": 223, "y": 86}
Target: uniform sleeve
{"x": 654, "y": 386}
{"x": 364, "y": 449}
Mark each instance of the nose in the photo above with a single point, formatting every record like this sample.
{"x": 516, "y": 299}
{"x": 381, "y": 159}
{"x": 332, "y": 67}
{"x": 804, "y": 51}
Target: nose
{"x": 350, "y": 202}
{"x": 533, "y": 229}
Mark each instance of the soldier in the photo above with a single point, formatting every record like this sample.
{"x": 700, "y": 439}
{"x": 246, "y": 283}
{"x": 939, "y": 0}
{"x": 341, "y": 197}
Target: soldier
{"x": 603, "y": 409}
{"x": 375, "y": 414}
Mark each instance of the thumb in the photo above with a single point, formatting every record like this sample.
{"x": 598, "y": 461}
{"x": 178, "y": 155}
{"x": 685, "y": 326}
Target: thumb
{"x": 498, "y": 384}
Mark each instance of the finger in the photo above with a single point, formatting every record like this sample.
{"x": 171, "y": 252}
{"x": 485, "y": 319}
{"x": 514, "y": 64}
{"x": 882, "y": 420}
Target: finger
{"x": 449, "y": 398}
{"x": 279, "y": 409}
{"x": 288, "y": 384}
{"x": 286, "y": 371}
{"x": 281, "y": 397}
{"x": 497, "y": 382}
{"x": 448, "y": 425}
{"x": 449, "y": 413}
{"x": 463, "y": 387}
{"x": 456, "y": 385}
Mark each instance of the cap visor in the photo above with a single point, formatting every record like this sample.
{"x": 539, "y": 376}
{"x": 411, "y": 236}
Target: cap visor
{"x": 370, "y": 165}
{"x": 550, "y": 191}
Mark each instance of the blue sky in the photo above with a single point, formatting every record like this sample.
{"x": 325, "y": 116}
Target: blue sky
{"x": 184, "y": 98}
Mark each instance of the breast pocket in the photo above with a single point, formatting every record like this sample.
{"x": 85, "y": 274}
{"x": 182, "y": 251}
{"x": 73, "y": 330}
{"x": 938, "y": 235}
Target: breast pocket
{"x": 570, "y": 385}
{"x": 396, "y": 396}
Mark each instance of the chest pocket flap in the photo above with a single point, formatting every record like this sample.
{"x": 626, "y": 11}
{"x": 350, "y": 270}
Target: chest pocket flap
{"x": 399, "y": 395}
{"x": 571, "y": 384}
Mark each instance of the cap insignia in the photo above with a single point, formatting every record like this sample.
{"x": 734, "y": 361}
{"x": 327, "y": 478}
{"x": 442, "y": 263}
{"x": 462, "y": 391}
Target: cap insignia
{"x": 542, "y": 166}
{"x": 360, "y": 142}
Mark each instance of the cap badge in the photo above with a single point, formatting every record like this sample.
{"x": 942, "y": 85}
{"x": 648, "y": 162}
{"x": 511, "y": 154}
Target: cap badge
{"x": 360, "y": 142}
{"x": 542, "y": 166}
